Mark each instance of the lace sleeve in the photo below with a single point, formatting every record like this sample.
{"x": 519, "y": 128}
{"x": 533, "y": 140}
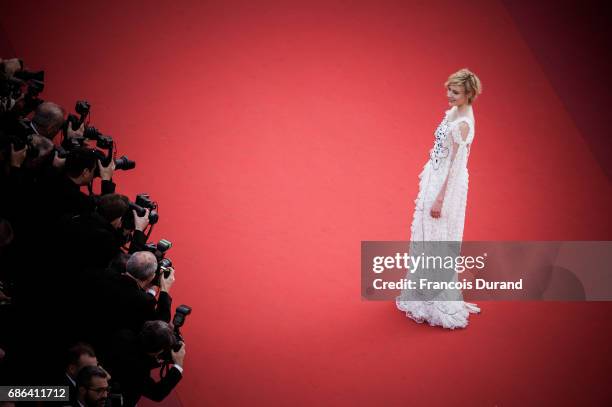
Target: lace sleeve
{"x": 461, "y": 132}
{"x": 456, "y": 189}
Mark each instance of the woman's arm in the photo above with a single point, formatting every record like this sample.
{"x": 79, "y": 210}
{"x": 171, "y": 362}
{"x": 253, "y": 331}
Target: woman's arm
{"x": 436, "y": 208}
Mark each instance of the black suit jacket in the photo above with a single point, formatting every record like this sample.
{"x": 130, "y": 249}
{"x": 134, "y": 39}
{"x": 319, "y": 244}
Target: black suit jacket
{"x": 128, "y": 306}
{"x": 65, "y": 198}
{"x": 130, "y": 369}
{"x": 88, "y": 241}
{"x": 73, "y": 393}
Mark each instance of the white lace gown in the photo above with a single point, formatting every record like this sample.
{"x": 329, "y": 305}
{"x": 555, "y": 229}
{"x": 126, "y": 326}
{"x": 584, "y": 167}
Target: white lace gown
{"x": 448, "y": 157}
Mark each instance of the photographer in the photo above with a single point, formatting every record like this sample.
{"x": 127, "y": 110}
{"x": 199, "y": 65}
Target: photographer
{"x": 96, "y": 238}
{"x": 48, "y": 119}
{"x": 93, "y": 239}
{"x": 8, "y": 68}
{"x": 6, "y": 311}
{"x": 84, "y": 256}
{"x": 93, "y": 387}
{"x": 77, "y": 357}
{"x": 64, "y": 191}
{"x": 118, "y": 264}
{"x": 131, "y": 296}
{"x": 21, "y": 174}
{"x": 135, "y": 355}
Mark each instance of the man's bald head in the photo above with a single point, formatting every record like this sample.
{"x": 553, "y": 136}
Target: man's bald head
{"x": 48, "y": 119}
{"x": 142, "y": 266}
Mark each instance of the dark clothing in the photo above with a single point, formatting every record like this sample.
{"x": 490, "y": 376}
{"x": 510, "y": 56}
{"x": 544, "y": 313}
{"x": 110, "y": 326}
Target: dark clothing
{"x": 131, "y": 368}
{"x": 16, "y": 185}
{"x": 93, "y": 242}
{"x": 20, "y": 202}
{"x": 65, "y": 198}
{"x": 70, "y": 235}
{"x": 73, "y": 391}
{"x": 79, "y": 255}
{"x": 129, "y": 306}
{"x": 86, "y": 247}
{"x": 73, "y": 394}
{"x": 89, "y": 241}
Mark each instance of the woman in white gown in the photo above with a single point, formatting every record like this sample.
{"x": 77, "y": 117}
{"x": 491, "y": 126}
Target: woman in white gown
{"x": 440, "y": 205}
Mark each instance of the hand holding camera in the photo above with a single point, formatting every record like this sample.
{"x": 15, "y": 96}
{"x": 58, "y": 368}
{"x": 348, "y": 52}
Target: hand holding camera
{"x": 58, "y": 162}
{"x": 141, "y": 222}
{"x": 166, "y": 279}
{"x": 178, "y": 357}
{"x": 106, "y": 173}
{"x": 75, "y": 133}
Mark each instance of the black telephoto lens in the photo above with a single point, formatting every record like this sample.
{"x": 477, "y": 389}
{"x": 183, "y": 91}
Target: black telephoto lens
{"x": 124, "y": 163}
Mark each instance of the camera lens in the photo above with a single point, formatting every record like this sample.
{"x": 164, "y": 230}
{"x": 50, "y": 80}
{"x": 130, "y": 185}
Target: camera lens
{"x": 124, "y": 163}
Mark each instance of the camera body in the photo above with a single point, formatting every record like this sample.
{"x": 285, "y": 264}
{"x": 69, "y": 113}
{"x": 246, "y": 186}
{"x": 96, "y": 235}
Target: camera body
{"x": 20, "y": 135}
{"x": 82, "y": 108}
{"x": 140, "y": 205}
{"x": 164, "y": 264}
{"x": 103, "y": 141}
{"x": 180, "y": 316}
{"x": 11, "y": 87}
{"x": 28, "y": 84}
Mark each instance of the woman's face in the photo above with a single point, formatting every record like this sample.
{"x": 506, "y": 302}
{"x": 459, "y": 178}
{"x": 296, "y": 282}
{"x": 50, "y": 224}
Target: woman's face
{"x": 456, "y": 95}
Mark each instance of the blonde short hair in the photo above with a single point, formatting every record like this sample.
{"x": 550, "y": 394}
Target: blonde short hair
{"x": 470, "y": 82}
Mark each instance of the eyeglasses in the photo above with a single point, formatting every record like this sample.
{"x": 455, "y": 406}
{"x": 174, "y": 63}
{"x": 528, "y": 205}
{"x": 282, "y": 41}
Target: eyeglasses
{"x": 99, "y": 390}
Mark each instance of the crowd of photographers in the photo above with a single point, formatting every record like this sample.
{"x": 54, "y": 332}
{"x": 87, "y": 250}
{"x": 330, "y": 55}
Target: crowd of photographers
{"x": 84, "y": 298}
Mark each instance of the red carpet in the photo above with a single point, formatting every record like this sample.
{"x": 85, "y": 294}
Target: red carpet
{"x": 278, "y": 136}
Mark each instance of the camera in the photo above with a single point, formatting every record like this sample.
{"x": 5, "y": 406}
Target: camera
{"x": 82, "y": 108}
{"x": 180, "y": 315}
{"x": 103, "y": 141}
{"x": 20, "y": 135}
{"x": 163, "y": 267}
{"x": 144, "y": 200}
{"x": 26, "y": 75}
{"x": 164, "y": 264}
{"x": 11, "y": 87}
{"x": 19, "y": 91}
{"x": 34, "y": 82}
{"x": 142, "y": 203}
{"x": 122, "y": 163}
{"x": 159, "y": 249}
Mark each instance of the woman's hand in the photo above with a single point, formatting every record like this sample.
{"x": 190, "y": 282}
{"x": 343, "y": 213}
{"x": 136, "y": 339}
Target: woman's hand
{"x": 436, "y": 208}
